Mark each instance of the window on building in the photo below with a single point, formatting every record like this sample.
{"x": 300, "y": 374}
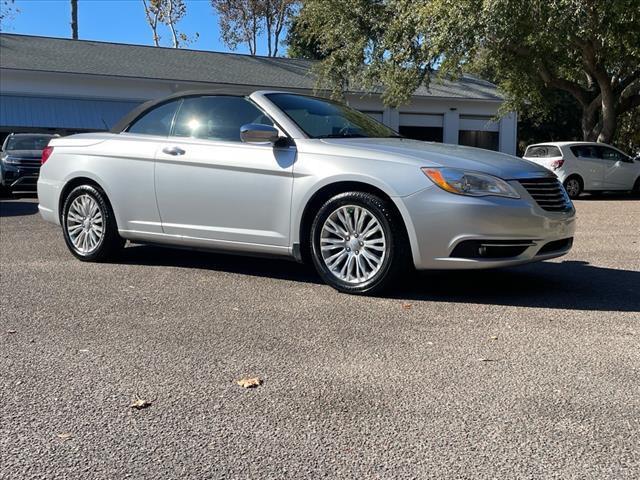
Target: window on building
{"x": 479, "y": 138}
{"x": 216, "y": 118}
{"x": 377, "y": 116}
{"x": 428, "y": 134}
{"x": 157, "y": 121}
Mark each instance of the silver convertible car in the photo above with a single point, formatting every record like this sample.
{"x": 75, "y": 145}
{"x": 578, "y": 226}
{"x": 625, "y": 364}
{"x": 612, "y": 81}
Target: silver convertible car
{"x": 297, "y": 176}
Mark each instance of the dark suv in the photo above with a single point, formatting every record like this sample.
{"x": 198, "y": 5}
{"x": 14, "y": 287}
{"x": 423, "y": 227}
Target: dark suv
{"x": 20, "y": 161}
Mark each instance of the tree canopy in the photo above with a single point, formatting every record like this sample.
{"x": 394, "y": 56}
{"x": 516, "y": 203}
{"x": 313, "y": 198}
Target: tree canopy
{"x": 244, "y": 21}
{"x": 168, "y": 13}
{"x": 589, "y": 49}
{"x": 7, "y": 11}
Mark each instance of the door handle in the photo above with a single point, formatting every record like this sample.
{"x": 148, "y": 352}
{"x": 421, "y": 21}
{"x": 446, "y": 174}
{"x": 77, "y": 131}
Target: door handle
{"x": 173, "y": 151}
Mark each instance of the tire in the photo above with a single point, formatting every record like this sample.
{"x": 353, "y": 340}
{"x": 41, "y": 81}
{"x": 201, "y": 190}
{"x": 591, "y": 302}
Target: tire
{"x": 89, "y": 225}
{"x": 5, "y": 192}
{"x": 636, "y": 187}
{"x": 573, "y": 185}
{"x": 366, "y": 259}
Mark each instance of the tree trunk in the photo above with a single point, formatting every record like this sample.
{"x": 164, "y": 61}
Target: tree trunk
{"x": 609, "y": 118}
{"x": 172, "y": 27}
{"x": 590, "y": 128}
{"x": 268, "y": 16}
{"x": 74, "y": 19}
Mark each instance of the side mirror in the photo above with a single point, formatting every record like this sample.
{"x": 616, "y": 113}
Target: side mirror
{"x": 257, "y": 133}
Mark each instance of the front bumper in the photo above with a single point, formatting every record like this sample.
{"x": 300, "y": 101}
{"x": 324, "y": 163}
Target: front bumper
{"x": 19, "y": 177}
{"x": 438, "y": 222}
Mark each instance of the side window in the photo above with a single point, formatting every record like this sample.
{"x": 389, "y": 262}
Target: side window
{"x": 585, "y": 151}
{"x": 216, "y": 118}
{"x": 157, "y": 121}
{"x": 610, "y": 154}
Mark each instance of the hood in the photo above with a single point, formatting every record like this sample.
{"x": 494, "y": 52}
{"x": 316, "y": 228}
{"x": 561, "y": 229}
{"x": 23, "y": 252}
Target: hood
{"x": 428, "y": 154}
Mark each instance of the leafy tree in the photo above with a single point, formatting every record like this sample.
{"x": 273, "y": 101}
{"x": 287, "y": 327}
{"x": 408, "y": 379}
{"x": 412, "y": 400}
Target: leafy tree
{"x": 167, "y": 13}
{"x": 301, "y": 45}
{"x": 243, "y": 21}
{"x": 628, "y": 135}
{"x": 7, "y": 11}
{"x": 589, "y": 49}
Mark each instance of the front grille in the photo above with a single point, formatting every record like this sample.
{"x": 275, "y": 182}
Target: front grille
{"x": 548, "y": 192}
{"x": 30, "y": 182}
{"x": 31, "y": 162}
{"x": 25, "y": 161}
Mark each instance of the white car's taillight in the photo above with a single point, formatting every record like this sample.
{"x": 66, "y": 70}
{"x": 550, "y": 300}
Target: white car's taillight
{"x": 556, "y": 164}
{"x": 46, "y": 153}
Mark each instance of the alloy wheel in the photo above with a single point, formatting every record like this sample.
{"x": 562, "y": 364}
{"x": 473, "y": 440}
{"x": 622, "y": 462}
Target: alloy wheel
{"x": 353, "y": 244}
{"x": 85, "y": 224}
{"x": 573, "y": 188}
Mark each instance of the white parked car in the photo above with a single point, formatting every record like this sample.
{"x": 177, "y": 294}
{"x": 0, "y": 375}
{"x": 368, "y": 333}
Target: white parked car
{"x": 587, "y": 166}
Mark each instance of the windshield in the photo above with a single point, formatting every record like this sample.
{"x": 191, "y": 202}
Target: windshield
{"x": 320, "y": 118}
{"x": 27, "y": 142}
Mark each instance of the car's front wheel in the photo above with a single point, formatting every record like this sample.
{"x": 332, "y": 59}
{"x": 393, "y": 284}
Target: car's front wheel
{"x": 359, "y": 244}
{"x": 89, "y": 225}
{"x": 573, "y": 186}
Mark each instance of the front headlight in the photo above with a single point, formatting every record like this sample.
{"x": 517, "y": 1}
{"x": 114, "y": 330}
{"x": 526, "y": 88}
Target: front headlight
{"x": 11, "y": 160}
{"x": 475, "y": 184}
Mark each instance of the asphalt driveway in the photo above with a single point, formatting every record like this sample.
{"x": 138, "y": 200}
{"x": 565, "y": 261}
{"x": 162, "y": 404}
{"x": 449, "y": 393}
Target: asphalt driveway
{"x": 530, "y": 372}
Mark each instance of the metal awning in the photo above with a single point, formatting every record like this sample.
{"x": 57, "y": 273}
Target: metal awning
{"x": 62, "y": 112}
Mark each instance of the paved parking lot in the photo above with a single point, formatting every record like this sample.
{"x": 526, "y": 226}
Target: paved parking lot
{"x": 530, "y": 372}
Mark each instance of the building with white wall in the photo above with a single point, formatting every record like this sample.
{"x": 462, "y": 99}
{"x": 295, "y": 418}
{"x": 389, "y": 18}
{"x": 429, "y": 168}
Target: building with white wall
{"x": 64, "y": 86}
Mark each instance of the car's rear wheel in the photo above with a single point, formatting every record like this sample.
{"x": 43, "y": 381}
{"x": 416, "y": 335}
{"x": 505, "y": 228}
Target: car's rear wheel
{"x": 573, "y": 186}
{"x": 359, "y": 244}
{"x": 89, "y": 225}
{"x": 636, "y": 187}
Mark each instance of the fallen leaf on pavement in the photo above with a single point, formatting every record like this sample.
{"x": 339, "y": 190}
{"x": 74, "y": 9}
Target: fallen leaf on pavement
{"x": 487, "y": 360}
{"x": 406, "y": 306}
{"x": 140, "y": 403}
{"x": 64, "y": 436}
{"x": 11, "y": 331}
{"x": 249, "y": 382}
{"x": 494, "y": 337}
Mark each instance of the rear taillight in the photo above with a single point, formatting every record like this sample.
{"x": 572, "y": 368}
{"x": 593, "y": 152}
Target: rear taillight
{"x": 556, "y": 164}
{"x": 46, "y": 153}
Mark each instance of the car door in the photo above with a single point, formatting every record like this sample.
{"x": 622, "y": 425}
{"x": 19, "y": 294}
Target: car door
{"x": 211, "y": 186}
{"x": 619, "y": 170}
{"x": 128, "y": 168}
{"x": 589, "y": 166}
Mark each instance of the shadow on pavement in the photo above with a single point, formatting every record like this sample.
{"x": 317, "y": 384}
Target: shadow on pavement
{"x": 623, "y": 196}
{"x": 17, "y": 208}
{"x": 244, "y": 265}
{"x": 570, "y": 285}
